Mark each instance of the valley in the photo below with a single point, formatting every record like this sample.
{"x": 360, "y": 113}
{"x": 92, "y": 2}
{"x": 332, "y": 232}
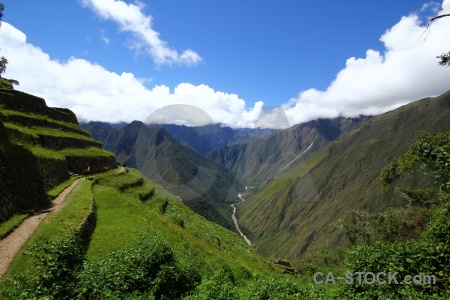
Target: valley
{"x": 305, "y": 177}
{"x": 235, "y": 221}
{"x": 329, "y": 194}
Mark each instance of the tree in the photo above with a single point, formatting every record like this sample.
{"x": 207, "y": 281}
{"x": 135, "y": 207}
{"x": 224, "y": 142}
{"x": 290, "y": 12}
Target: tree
{"x": 5, "y": 83}
{"x": 3, "y": 60}
{"x": 445, "y": 57}
{"x": 3, "y": 63}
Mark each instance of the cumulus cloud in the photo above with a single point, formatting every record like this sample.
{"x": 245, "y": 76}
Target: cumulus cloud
{"x": 130, "y": 18}
{"x": 95, "y": 93}
{"x": 406, "y": 71}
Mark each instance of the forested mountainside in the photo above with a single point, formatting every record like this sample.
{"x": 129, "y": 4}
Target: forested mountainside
{"x": 203, "y": 185}
{"x": 300, "y": 211}
{"x": 207, "y": 138}
{"x": 272, "y": 155}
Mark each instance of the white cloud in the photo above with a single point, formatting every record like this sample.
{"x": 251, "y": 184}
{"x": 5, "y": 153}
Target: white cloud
{"x": 432, "y": 6}
{"x": 103, "y": 37}
{"x": 95, "y": 93}
{"x": 130, "y": 18}
{"x": 407, "y": 70}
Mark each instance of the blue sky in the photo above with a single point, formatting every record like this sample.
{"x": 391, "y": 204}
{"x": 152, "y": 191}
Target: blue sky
{"x": 314, "y": 58}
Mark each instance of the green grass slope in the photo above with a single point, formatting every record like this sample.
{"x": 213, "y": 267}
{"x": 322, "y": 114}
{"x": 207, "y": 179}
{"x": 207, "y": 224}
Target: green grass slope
{"x": 110, "y": 243}
{"x": 299, "y": 212}
{"x": 123, "y": 218}
{"x": 39, "y": 146}
{"x": 205, "y": 186}
{"x": 272, "y": 155}
{"x": 133, "y": 246}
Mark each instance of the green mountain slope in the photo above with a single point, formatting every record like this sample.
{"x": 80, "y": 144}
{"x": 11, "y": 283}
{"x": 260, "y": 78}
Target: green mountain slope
{"x": 39, "y": 146}
{"x": 207, "y": 138}
{"x": 203, "y": 185}
{"x": 127, "y": 245}
{"x": 267, "y": 157}
{"x": 299, "y": 211}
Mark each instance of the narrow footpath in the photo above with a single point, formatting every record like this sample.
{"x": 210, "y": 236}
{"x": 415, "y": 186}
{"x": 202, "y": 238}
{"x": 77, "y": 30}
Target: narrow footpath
{"x": 11, "y": 244}
{"x": 236, "y": 222}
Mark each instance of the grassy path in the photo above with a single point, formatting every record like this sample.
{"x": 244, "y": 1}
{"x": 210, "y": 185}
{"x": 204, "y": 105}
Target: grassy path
{"x": 10, "y": 245}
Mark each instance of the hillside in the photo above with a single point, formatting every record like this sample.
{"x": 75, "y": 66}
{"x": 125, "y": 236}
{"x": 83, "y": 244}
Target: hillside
{"x": 120, "y": 235}
{"x": 205, "y": 186}
{"x": 109, "y": 242}
{"x": 39, "y": 146}
{"x": 207, "y": 138}
{"x": 299, "y": 212}
{"x": 272, "y": 155}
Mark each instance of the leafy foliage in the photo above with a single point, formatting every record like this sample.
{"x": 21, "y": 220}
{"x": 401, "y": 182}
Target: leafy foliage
{"x": 150, "y": 268}
{"x": 56, "y": 265}
{"x": 445, "y": 59}
{"x": 432, "y": 152}
{"x": 296, "y": 213}
{"x": 5, "y": 83}
{"x": 429, "y": 255}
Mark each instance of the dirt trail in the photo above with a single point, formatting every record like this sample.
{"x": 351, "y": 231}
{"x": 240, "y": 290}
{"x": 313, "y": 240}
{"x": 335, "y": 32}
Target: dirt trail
{"x": 297, "y": 157}
{"x": 11, "y": 244}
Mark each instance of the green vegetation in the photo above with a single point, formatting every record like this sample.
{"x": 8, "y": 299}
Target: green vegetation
{"x": 92, "y": 151}
{"x": 153, "y": 254}
{"x": 14, "y": 221}
{"x": 299, "y": 212}
{"x": 37, "y": 152}
{"x": 8, "y": 226}
{"x": 14, "y": 116}
{"x": 263, "y": 159}
{"x": 56, "y": 227}
{"x": 5, "y": 84}
{"x": 174, "y": 166}
{"x": 53, "y": 193}
{"x": 154, "y": 247}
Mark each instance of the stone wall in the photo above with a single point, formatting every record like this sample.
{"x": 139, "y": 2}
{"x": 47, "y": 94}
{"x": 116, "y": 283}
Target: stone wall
{"x": 30, "y": 122}
{"x": 52, "y": 172}
{"x": 17, "y": 100}
{"x": 78, "y": 164}
{"x": 59, "y": 143}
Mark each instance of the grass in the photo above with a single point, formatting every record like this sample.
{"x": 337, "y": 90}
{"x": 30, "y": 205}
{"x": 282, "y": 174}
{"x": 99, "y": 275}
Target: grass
{"x": 56, "y": 225}
{"x": 123, "y": 218}
{"x": 299, "y": 213}
{"x": 45, "y": 153}
{"x": 53, "y": 193}
{"x": 222, "y": 258}
{"x": 9, "y": 225}
{"x": 43, "y": 118}
{"x": 35, "y": 132}
{"x": 92, "y": 151}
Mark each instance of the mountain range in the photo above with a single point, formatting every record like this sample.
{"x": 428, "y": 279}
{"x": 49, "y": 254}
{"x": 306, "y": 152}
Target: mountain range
{"x": 203, "y": 185}
{"x": 298, "y": 183}
{"x": 300, "y": 211}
